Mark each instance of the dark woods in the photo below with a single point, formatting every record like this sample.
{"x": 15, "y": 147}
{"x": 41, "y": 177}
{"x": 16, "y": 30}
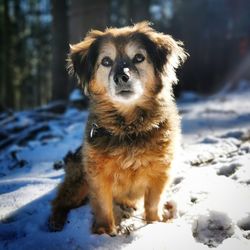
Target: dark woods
{"x": 34, "y": 38}
{"x": 25, "y": 50}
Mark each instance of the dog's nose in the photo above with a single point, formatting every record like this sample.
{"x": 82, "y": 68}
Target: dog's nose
{"x": 121, "y": 77}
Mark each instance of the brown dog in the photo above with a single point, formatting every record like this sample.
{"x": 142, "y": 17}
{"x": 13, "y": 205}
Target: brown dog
{"x": 133, "y": 126}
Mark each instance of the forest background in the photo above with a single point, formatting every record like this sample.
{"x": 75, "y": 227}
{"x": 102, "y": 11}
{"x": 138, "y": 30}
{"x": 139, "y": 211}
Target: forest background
{"x": 35, "y": 37}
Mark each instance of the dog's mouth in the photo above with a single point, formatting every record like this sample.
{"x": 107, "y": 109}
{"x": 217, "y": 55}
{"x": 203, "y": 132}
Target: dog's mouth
{"x": 125, "y": 93}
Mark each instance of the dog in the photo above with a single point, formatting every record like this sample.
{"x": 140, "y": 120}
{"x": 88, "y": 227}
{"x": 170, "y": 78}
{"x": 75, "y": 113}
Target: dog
{"x": 133, "y": 128}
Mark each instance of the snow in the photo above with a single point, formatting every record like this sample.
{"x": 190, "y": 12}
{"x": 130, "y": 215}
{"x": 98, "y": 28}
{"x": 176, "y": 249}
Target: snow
{"x": 76, "y": 95}
{"x": 210, "y": 186}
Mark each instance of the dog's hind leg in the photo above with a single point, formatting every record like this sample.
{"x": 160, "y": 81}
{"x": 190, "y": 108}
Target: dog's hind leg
{"x": 71, "y": 194}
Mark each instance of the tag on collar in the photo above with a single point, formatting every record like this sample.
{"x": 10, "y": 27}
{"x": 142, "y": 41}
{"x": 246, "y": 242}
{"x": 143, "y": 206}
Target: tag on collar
{"x": 93, "y": 130}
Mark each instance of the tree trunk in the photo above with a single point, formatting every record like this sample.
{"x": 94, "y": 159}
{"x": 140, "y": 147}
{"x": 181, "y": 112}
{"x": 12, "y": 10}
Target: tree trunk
{"x": 7, "y": 44}
{"x": 138, "y": 11}
{"x": 86, "y": 15}
{"x": 60, "y": 47}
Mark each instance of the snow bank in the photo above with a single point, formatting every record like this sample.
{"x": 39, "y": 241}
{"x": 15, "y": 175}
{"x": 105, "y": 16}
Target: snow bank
{"x": 211, "y": 181}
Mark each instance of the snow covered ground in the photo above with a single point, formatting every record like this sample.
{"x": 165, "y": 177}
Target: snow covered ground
{"x": 211, "y": 181}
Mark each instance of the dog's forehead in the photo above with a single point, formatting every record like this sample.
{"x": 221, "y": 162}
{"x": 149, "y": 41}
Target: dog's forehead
{"x": 122, "y": 44}
{"x": 108, "y": 49}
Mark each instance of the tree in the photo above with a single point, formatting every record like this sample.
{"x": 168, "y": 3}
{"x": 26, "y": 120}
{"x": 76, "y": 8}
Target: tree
{"x": 128, "y": 12}
{"x": 8, "y": 88}
{"x": 86, "y": 15}
{"x": 137, "y": 11}
{"x": 60, "y": 46}
{"x": 202, "y": 25}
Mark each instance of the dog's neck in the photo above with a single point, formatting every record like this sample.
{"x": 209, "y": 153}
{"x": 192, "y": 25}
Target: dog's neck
{"x": 109, "y": 128}
{"x": 100, "y": 137}
{"x": 139, "y": 120}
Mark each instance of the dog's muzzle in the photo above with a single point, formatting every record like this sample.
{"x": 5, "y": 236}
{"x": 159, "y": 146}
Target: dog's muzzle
{"x": 121, "y": 77}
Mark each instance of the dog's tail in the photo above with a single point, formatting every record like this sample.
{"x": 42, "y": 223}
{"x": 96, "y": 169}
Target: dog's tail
{"x": 72, "y": 193}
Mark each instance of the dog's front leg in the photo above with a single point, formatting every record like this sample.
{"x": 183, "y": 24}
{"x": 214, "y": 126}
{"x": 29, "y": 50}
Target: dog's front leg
{"x": 152, "y": 198}
{"x": 101, "y": 199}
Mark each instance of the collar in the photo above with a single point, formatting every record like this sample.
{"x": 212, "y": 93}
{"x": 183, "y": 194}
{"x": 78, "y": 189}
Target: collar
{"x": 100, "y": 137}
{"x": 97, "y": 131}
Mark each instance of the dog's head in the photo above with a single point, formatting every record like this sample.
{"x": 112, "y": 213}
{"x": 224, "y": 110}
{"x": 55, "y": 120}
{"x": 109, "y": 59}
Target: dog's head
{"x": 126, "y": 64}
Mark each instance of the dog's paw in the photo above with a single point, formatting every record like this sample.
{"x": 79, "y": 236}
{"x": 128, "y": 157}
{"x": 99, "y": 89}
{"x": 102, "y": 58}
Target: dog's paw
{"x": 104, "y": 229}
{"x": 169, "y": 211}
{"x": 152, "y": 217}
{"x": 127, "y": 210}
{"x": 57, "y": 221}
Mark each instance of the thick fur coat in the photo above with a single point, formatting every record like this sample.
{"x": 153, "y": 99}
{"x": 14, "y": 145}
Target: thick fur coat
{"x": 133, "y": 127}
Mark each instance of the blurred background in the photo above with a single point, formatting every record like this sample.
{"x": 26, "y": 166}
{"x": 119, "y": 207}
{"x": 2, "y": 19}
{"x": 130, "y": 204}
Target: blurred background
{"x": 35, "y": 37}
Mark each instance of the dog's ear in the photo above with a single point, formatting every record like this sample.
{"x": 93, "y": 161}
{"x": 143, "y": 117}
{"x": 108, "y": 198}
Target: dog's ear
{"x": 82, "y": 58}
{"x": 171, "y": 52}
{"x": 163, "y": 50}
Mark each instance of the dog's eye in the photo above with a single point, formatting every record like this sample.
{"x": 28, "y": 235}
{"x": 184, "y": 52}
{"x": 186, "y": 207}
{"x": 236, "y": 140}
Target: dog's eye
{"x": 107, "y": 61}
{"x": 138, "y": 58}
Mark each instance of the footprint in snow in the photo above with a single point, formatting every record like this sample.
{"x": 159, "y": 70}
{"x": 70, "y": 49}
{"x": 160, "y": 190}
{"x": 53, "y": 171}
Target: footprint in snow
{"x": 177, "y": 180}
{"x": 228, "y": 170}
{"x": 244, "y": 224}
{"x": 212, "y": 229}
